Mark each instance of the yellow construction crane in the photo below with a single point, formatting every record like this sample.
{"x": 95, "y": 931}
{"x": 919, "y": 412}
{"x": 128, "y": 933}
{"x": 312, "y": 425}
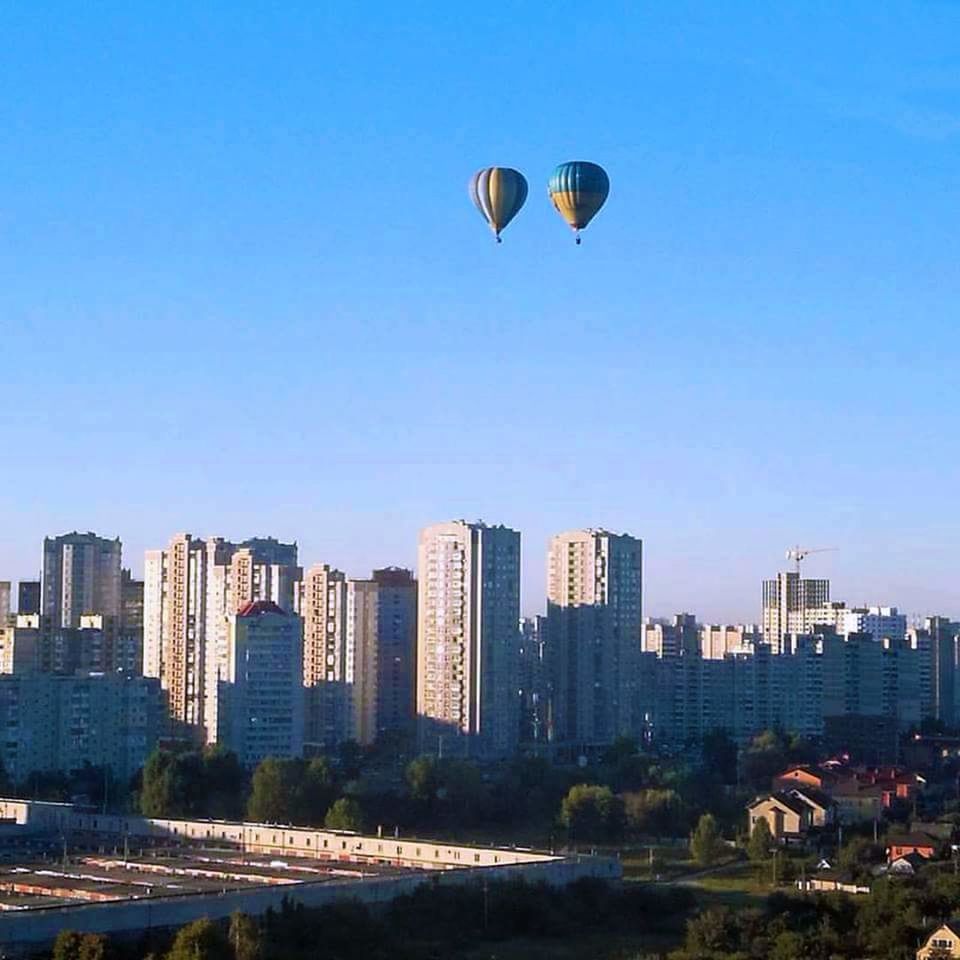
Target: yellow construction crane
{"x": 798, "y": 554}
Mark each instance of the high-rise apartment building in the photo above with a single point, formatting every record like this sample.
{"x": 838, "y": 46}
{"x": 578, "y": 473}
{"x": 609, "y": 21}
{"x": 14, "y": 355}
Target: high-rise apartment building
{"x": 594, "y": 621}
{"x": 191, "y": 588}
{"x": 719, "y": 639}
{"x": 28, "y": 597}
{"x": 81, "y": 574}
{"x": 359, "y": 654}
{"x": 534, "y": 686}
{"x": 882, "y": 623}
{"x": 467, "y": 639}
{"x": 131, "y": 601}
{"x": 937, "y": 647}
{"x": 20, "y": 644}
{"x": 4, "y": 601}
{"x": 671, "y": 638}
{"x": 396, "y": 659}
{"x": 260, "y": 696}
{"x": 790, "y": 604}
{"x": 323, "y": 606}
{"x": 63, "y": 723}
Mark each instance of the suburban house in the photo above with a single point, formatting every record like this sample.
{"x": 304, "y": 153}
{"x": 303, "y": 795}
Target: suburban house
{"x": 822, "y": 807}
{"x": 804, "y": 777}
{"x": 791, "y": 813}
{"x": 860, "y": 793}
{"x": 921, "y": 844}
{"x": 943, "y": 942}
{"x": 787, "y": 817}
{"x": 857, "y": 802}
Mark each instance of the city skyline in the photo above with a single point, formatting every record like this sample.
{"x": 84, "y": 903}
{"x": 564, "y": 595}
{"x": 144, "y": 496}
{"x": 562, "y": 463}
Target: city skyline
{"x": 740, "y": 356}
{"x": 533, "y": 577}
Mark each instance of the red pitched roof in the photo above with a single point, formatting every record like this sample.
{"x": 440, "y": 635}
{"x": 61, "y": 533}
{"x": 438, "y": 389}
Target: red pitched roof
{"x": 256, "y": 608}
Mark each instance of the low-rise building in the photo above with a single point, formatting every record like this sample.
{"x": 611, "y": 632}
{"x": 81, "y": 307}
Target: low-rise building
{"x": 830, "y": 882}
{"x": 943, "y": 942}
{"x": 788, "y": 817}
{"x": 822, "y": 807}
{"x": 921, "y": 844}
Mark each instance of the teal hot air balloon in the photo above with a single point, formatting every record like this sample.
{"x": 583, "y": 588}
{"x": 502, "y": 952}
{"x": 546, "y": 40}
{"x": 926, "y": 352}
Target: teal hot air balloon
{"x": 578, "y": 190}
{"x": 499, "y": 193}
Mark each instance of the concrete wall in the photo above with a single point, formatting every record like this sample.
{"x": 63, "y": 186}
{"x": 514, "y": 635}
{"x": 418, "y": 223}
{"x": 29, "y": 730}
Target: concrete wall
{"x": 21, "y": 933}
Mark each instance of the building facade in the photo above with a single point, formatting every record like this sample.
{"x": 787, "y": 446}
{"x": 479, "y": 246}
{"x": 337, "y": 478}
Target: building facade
{"x": 396, "y": 660}
{"x": 260, "y": 696}
{"x": 62, "y": 723}
{"x": 789, "y": 605}
{"x": 594, "y": 620}
{"x": 467, "y": 640}
{"x": 5, "y": 601}
{"x": 81, "y": 574}
{"x": 28, "y": 596}
{"x": 191, "y": 588}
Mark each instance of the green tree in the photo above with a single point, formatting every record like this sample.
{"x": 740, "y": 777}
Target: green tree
{"x": 592, "y": 813}
{"x": 345, "y": 814}
{"x": 766, "y": 756}
{"x": 761, "y": 839}
{"x": 422, "y": 779}
{"x": 200, "y": 940}
{"x": 94, "y": 946}
{"x": 275, "y": 791}
{"x": 858, "y": 855}
{"x": 244, "y": 936}
{"x": 656, "y": 812}
{"x": 318, "y": 790}
{"x": 67, "y": 945}
{"x": 623, "y": 748}
{"x": 224, "y": 783}
{"x": 711, "y": 932}
{"x": 173, "y": 785}
{"x": 719, "y": 752}
{"x": 788, "y": 946}
{"x": 705, "y": 842}
{"x": 350, "y": 756}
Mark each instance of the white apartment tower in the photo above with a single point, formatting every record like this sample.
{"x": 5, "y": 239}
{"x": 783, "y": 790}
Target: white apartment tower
{"x": 792, "y": 605}
{"x": 467, "y": 638}
{"x": 594, "y": 621}
{"x": 191, "y": 588}
{"x": 81, "y": 574}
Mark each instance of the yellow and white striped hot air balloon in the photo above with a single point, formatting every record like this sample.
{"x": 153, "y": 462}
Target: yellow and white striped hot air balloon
{"x": 499, "y": 193}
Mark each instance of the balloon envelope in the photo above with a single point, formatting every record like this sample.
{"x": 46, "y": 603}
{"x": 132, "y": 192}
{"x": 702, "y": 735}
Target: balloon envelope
{"x": 499, "y": 193}
{"x": 578, "y": 190}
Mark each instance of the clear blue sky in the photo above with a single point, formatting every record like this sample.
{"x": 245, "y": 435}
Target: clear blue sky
{"x": 243, "y": 290}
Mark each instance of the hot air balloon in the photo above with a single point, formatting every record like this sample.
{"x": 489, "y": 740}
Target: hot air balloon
{"x": 578, "y": 190}
{"x": 499, "y": 193}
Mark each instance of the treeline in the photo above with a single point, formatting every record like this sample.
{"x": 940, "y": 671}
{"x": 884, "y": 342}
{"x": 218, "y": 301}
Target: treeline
{"x": 888, "y": 924}
{"x": 435, "y": 920}
{"x": 625, "y": 794}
